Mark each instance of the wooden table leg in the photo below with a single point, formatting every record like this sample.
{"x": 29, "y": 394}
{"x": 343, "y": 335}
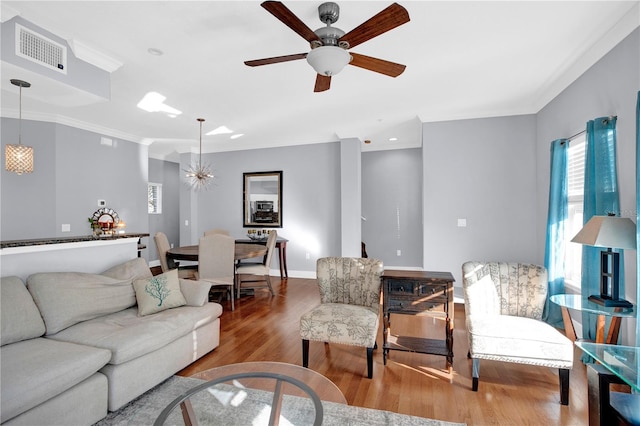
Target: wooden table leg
{"x": 600, "y": 329}
{"x": 282, "y": 250}
{"x": 614, "y": 330}
{"x": 569, "y": 330}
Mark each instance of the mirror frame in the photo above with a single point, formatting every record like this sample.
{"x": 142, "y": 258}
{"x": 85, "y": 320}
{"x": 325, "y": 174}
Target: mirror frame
{"x": 246, "y": 179}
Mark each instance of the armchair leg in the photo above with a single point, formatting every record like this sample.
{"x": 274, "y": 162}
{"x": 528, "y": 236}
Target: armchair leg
{"x": 475, "y": 373}
{"x": 305, "y": 353}
{"x": 370, "y": 362}
{"x": 564, "y": 385}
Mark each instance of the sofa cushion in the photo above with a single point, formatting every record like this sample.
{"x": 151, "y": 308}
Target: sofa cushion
{"x": 196, "y": 293}
{"x": 131, "y": 270}
{"x": 67, "y": 298}
{"x": 519, "y": 339}
{"x": 19, "y": 315}
{"x": 129, "y": 336}
{"x": 35, "y": 370}
{"x": 157, "y": 293}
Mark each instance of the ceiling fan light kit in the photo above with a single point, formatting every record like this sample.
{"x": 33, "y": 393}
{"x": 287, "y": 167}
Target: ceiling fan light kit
{"x": 328, "y": 60}
{"x": 328, "y": 55}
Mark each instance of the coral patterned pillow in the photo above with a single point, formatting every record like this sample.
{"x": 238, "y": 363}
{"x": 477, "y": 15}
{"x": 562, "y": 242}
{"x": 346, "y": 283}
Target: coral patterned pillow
{"x": 158, "y": 293}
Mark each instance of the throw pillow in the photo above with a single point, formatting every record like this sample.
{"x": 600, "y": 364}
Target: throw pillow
{"x": 158, "y": 293}
{"x": 196, "y": 293}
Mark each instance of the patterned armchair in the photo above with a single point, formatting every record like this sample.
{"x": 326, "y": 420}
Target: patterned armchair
{"x": 503, "y": 308}
{"x": 349, "y": 311}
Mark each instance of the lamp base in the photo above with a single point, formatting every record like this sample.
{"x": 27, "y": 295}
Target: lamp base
{"x": 608, "y": 302}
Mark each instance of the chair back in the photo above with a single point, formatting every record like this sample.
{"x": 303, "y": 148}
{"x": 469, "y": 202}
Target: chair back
{"x": 350, "y": 280}
{"x": 216, "y": 256}
{"x": 162, "y": 245}
{"x": 504, "y": 288}
{"x": 271, "y": 244}
{"x": 216, "y": 231}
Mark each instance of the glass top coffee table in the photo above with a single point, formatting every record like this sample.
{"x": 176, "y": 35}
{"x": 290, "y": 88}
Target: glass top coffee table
{"x": 623, "y": 361}
{"x": 254, "y": 393}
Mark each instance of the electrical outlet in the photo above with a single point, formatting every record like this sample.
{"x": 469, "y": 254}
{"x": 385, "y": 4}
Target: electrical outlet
{"x": 186, "y": 223}
{"x": 398, "y": 252}
{"x": 462, "y": 223}
{"x": 66, "y": 227}
{"x": 307, "y": 256}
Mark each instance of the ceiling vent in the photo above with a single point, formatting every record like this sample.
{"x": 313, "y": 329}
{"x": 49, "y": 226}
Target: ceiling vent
{"x": 39, "y": 49}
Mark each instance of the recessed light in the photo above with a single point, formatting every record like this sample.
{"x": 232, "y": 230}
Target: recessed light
{"x": 222, "y": 130}
{"x": 154, "y": 102}
{"x": 155, "y": 52}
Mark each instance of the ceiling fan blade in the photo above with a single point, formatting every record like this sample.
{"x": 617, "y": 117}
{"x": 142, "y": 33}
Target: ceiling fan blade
{"x": 323, "y": 83}
{"x": 378, "y": 65}
{"x": 275, "y": 59}
{"x": 391, "y": 17}
{"x": 288, "y": 18}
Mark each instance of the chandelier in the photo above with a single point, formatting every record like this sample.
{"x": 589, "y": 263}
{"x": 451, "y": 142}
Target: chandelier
{"x": 18, "y": 157}
{"x": 199, "y": 175}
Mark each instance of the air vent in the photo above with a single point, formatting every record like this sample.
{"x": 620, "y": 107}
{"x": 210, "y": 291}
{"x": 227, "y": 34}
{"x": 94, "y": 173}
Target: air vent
{"x": 39, "y": 49}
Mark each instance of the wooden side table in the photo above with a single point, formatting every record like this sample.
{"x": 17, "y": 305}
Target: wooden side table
{"x": 418, "y": 293}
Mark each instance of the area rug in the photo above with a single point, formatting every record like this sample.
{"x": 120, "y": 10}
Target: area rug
{"x": 234, "y": 405}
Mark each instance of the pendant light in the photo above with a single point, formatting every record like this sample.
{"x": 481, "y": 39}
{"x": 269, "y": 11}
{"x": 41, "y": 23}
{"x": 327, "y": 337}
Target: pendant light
{"x": 18, "y": 157}
{"x": 199, "y": 175}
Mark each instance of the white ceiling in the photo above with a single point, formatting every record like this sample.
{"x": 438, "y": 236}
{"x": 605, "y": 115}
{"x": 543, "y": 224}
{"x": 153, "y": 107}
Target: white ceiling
{"x": 464, "y": 60}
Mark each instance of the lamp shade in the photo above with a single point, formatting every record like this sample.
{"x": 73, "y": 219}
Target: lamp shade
{"x": 328, "y": 60}
{"x": 18, "y": 158}
{"x": 608, "y": 231}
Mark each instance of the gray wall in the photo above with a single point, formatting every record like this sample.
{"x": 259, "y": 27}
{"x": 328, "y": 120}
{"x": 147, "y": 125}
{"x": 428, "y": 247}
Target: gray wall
{"x": 609, "y": 87}
{"x": 484, "y": 171}
{"x": 392, "y": 206}
{"x": 311, "y": 199}
{"x": 168, "y": 174}
{"x": 72, "y": 171}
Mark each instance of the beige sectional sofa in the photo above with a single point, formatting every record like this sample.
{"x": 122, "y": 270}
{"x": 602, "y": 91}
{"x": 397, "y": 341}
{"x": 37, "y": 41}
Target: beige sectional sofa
{"x": 75, "y": 346}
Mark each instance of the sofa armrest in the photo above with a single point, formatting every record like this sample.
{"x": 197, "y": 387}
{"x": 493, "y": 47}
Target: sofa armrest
{"x": 196, "y": 293}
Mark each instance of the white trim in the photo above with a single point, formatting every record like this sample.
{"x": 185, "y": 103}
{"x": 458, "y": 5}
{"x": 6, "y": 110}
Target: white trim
{"x": 64, "y": 246}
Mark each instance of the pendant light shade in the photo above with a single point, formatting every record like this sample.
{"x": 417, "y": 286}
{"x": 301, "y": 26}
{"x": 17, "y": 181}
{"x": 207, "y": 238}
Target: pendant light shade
{"x": 198, "y": 174}
{"x": 18, "y": 157}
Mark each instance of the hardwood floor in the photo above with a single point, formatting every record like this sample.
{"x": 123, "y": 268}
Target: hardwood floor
{"x": 265, "y": 328}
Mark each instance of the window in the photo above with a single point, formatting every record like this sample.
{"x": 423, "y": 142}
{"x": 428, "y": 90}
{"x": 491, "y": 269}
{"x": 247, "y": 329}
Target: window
{"x": 155, "y": 198}
{"x": 575, "y": 175}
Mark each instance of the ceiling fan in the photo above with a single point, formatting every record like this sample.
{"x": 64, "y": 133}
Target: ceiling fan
{"x": 329, "y": 44}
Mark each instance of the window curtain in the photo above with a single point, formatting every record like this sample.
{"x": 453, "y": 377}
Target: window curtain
{"x": 556, "y": 220}
{"x": 600, "y": 198}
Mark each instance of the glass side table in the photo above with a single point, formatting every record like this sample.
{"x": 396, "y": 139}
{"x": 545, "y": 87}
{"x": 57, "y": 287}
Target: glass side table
{"x": 616, "y": 365}
{"x": 578, "y": 303}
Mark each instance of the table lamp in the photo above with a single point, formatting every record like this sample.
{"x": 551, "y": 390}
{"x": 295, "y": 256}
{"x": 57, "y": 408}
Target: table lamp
{"x": 611, "y": 232}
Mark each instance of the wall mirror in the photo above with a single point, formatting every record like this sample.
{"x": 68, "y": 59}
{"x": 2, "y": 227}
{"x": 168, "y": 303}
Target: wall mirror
{"x": 262, "y": 205}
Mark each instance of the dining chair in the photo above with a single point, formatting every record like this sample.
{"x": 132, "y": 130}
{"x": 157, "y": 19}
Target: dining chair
{"x": 259, "y": 268}
{"x": 216, "y": 262}
{"x": 216, "y": 231}
{"x": 166, "y": 264}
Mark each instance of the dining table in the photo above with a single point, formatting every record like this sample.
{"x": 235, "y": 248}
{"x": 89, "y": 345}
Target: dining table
{"x": 242, "y": 251}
